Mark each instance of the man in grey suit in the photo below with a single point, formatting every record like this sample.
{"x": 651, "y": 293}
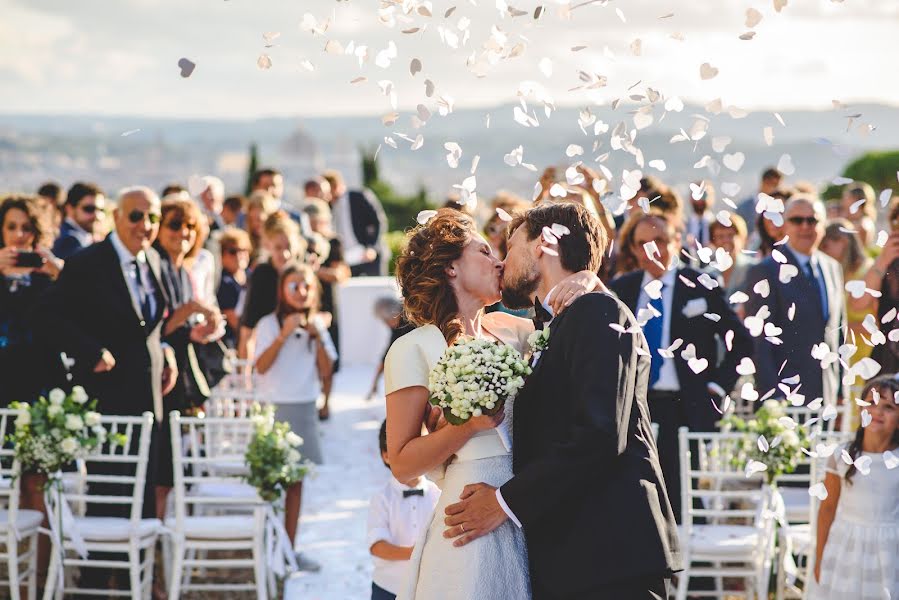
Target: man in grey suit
{"x": 806, "y": 301}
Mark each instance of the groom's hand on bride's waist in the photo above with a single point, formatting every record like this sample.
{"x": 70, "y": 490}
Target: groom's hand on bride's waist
{"x": 476, "y": 514}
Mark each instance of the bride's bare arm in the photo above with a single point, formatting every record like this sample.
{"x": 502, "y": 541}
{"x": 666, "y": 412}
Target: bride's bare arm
{"x": 573, "y": 287}
{"x": 412, "y": 454}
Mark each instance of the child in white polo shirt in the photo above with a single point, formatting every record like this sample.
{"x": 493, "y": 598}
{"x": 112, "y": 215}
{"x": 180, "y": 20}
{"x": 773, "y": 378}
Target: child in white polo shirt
{"x": 397, "y": 514}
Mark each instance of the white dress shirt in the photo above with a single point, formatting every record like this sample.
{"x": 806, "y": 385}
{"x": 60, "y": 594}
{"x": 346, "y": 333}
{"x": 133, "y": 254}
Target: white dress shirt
{"x": 85, "y": 238}
{"x": 353, "y": 251}
{"x": 398, "y": 520}
{"x": 698, "y": 227}
{"x": 126, "y": 261}
{"x": 668, "y": 381}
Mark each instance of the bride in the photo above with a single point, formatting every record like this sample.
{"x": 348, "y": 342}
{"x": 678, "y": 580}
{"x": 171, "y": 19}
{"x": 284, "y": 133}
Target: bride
{"x": 448, "y": 274}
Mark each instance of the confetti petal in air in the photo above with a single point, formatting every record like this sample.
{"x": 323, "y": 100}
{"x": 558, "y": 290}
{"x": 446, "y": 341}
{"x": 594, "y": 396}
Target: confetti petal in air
{"x": 707, "y": 71}
{"x": 187, "y": 67}
{"x": 503, "y": 215}
{"x": 425, "y": 216}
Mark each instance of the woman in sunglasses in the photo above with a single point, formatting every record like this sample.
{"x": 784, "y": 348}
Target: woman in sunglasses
{"x": 293, "y": 360}
{"x": 27, "y": 269}
{"x": 189, "y": 322}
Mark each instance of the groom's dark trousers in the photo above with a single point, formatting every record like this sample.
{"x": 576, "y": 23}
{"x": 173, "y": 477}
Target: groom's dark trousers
{"x": 587, "y": 486}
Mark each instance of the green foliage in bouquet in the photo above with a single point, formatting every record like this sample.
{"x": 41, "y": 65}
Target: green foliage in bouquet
{"x": 773, "y": 439}
{"x": 54, "y": 431}
{"x": 273, "y": 456}
{"x": 475, "y": 377}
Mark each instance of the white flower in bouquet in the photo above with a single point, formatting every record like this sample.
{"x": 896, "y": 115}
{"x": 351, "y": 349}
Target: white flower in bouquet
{"x": 54, "y": 410}
{"x": 293, "y": 457}
{"x": 74, "y": 422}
{"x": 69, "y": 445}
{"x": 293, "y": 439}
{"x": 56, "y": 396}
{"x": 79, "y": 395}
{"x": 23, "y": 419}
{"x": 92, "y": 418}
{"x": 789, "y": 438}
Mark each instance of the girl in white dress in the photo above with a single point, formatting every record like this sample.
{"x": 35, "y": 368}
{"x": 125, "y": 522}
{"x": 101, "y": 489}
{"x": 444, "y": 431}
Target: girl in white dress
{"x": 448, "y": 274}
{"x": 858, "y": 523}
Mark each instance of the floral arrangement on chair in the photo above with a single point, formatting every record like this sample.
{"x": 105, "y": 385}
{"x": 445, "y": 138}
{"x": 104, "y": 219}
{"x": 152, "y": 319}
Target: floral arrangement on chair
{"x": 273, "y": 456}
{"x": 54, "y": 431}
{"x": 773, "y": 442}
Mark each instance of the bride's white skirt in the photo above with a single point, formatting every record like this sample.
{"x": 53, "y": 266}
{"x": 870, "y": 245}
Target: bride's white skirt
{"x": 494, "y": 566}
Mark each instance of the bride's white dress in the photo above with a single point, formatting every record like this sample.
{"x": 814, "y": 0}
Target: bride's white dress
{"x": 494, "y": 566}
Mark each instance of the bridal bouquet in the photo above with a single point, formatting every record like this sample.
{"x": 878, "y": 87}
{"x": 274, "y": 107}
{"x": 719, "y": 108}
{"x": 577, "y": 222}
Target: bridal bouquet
{"x": 475, "y": 377}
{"x": 56, "y": 430}
{"x": 773, "y": 442}
{"x": 273, "y": 456}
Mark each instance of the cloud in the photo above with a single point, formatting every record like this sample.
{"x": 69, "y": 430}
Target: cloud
{"x": 121, "y": 57}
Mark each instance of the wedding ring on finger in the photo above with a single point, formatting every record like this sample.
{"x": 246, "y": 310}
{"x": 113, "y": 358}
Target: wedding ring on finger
{"x": 462, "y": 527}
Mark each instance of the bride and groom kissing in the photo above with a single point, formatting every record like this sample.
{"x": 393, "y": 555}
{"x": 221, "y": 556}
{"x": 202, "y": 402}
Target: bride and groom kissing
{"x": 578, "y": 509}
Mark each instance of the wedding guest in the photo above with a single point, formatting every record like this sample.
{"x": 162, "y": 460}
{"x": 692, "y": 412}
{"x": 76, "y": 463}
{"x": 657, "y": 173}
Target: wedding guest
{"x": 317, "y": 188}
{"x": 291, "y": 363}
{"x": 212, "y": 199}
{"x": 670, "y": 309}
{"x": 270, "y": 181}
{"x": 770, "y": 183}
{"x": 700, "y": 218}
{"x": 496, "y": 228}
{"x": 768, "y": 234}
{"x": 114, "y": 336}
{"x": 331, "y": 272}
{"x": 51, "y": 199}
{"x": 857, "y": 546}
{"x": 28, "y": 269}
{"x": 662, "y": 198}
{"x": 259, "y": 207}
{"x": 396, "y": 515}
{"x": 84, "y": 206}
{"x": 858, "y": 205}
{"x": 360, "y": 223}
{"x": 184, "y": 330}
{"x": 844, "y": 245}
{"x": 732, "y": 238}
{"x": 174, "y": 190}
{"x": 808, "y": 309}
{"x": 235, "y": 244}
{"x": 233, "y": 211}
{"x": 883, "y": 277}
{"x": 390, "y": 312}
{"x": 282, "y": 244}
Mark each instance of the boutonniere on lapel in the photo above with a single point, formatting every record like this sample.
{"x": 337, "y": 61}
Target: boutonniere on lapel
{"x": 538, "y": 341}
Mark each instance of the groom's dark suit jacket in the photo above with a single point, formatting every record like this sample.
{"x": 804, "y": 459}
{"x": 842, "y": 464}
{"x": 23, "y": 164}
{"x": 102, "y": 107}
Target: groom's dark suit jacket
{"x": 588, "y": 487}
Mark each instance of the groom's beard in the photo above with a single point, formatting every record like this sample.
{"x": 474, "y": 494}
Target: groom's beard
{"x": 519, "y": 292}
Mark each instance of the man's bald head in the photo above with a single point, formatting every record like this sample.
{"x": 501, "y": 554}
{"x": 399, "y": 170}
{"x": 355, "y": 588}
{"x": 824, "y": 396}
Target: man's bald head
{"x": 137, "y": 218}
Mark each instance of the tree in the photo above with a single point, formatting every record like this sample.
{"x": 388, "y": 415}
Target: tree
{"x": 401, "y": 210}
{"x": 252, "y": 167}
{"x": 876, "y": 168}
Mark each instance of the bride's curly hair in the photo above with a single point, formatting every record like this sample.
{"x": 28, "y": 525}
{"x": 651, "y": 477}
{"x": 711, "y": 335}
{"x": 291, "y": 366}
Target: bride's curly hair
{"x": 421, "y": 270}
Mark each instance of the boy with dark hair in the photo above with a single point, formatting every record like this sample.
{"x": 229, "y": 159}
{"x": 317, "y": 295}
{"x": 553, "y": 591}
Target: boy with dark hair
{"x": 397, "y": 514}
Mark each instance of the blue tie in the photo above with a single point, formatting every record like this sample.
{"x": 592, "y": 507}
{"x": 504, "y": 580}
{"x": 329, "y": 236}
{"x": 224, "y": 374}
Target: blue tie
{"x": 811, "y": 273}
{"x": 652, "y": 329}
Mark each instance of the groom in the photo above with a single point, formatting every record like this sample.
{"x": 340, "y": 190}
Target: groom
{"x": 588, "y": 488}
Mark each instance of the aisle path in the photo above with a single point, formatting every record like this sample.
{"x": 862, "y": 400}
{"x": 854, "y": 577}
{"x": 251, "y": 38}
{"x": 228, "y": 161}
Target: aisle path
{"x": 335, "y": 501}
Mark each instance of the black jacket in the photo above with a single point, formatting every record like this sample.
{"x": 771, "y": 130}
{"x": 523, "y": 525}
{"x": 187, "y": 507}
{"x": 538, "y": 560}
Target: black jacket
{"x": 702, "y": 333}
{"x": 88, "y": 309}
{"x": 588, "y": 487}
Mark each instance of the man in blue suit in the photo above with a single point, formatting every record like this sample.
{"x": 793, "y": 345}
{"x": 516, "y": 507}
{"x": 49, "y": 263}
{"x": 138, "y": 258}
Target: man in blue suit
{"x": 84, "y": 207}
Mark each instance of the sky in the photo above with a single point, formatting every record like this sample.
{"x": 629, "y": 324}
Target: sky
{"x": 121, "y": 56}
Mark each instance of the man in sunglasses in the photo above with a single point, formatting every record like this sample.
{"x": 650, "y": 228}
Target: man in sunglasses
{"x": 802, "y": 304}
{"x": 84, "y": 207}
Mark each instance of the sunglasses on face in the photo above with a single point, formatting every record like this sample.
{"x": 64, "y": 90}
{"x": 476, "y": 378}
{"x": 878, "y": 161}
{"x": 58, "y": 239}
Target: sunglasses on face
{"x": 89, "y": 208}
{"x": 136, "y": 216}
{"x": 178, "y": 225}
{"x": 800, "y": 220}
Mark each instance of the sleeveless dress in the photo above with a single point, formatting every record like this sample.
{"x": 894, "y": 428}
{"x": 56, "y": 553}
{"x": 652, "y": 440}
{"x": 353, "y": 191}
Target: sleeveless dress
{"x": 861, "y": 558}
{"x": 494, "y": 566}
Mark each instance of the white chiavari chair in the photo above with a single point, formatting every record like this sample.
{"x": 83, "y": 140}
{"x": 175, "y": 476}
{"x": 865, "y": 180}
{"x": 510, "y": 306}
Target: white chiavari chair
{"x": 195, "y": 532}
{"x": 115, "y": 479}
{"x": 727, "y": 527}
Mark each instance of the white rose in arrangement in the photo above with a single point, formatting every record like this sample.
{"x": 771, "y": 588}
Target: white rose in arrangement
{"x": 293, "y": 456}
{"x": 293, "y": 439}
{"x": 100, "y": 432}
{"x": 91, "y": 418}
{"x": 74, "y": 422}
{"x": 54, "y": 410}
{"x": 790, "y": 438}
{"x": 56, "y": 396}
{"x": 69, "y": 445}
{"x": 23, "y": 419}
{"x": 79, "y": 395}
